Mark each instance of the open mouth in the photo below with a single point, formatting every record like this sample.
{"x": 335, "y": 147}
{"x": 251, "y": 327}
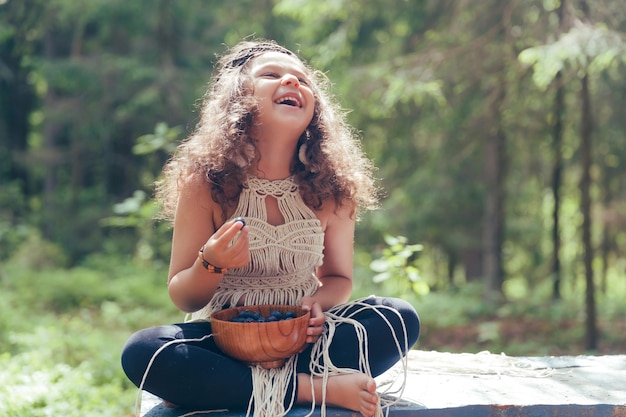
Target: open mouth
{"x": 289, "y": 101}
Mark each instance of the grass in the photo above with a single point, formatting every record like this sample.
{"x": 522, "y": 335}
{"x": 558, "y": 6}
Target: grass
{"x": 62, "y": 331}
{"x": 533, "y": 326}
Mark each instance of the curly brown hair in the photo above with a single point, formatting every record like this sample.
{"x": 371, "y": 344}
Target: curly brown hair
{"x": 221, "y": 150}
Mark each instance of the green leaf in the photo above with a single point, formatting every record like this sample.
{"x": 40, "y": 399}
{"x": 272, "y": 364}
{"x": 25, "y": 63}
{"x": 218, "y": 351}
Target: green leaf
{"x": 379, "y": 265}
{"x": 383, "y": 276}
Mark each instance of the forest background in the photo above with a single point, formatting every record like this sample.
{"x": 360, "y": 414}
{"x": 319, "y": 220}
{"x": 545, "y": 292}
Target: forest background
{"x": 498, "y": 128}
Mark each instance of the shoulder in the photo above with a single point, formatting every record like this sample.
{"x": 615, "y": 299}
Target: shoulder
{"x": 195, "y": 200}
{"x": 194, "y": 186}
{"x": 332, "y": 212}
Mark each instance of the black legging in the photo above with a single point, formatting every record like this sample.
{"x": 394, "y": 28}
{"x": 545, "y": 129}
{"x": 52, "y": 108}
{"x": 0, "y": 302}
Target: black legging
{"x": 197, "y": 375}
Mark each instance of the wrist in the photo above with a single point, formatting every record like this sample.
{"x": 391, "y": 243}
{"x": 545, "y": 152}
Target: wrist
{"x": 208, "y": 266}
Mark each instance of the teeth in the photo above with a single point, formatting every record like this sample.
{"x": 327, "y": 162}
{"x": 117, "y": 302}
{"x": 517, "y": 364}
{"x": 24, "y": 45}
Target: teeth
{"x": 289, "y": 100}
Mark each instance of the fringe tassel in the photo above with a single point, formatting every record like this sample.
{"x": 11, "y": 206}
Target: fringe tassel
{"x": 269, "y": 390}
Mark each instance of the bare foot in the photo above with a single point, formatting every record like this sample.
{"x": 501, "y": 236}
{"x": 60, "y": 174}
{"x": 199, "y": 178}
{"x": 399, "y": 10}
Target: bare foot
{"x": 356, "y": 392}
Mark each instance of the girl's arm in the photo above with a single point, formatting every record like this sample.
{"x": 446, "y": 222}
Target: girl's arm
{"x": 190, "y": 285}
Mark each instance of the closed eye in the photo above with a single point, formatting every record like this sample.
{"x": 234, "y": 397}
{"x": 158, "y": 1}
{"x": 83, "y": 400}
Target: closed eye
{"x": 274, "y": 75}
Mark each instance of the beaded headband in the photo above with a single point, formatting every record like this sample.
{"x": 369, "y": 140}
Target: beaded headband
{"x": 247, "y": 54}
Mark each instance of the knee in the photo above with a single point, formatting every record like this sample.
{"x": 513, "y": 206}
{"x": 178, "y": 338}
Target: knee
{"x": 403, "y": 318}
{"x": 131, "y": 357}
{"x": 411, "y": 321}
{"x": 400, "y": 314}
{"x": 137, "y": 352}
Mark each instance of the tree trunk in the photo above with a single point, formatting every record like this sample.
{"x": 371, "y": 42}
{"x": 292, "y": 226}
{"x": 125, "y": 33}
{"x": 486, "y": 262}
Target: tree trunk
{"x": 17, "y": 95}
{"x": 591, "y": 339}
{"x": 77, "y": 160}
{"x": 591, "y": 331}
{"x": 165, "y": 34}
{"x": 495, "y": 164}
{"x": 452, "y": 258}
{"x": 473, "y": 264}
{"x": 50, "y": 156}
{"x": 605, "y": 250}
{"x": 557, "y": 168}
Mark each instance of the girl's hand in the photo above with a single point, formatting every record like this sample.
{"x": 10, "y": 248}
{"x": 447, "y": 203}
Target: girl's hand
{"x": 316, "y": 321}
{"x": 228, "y": 247}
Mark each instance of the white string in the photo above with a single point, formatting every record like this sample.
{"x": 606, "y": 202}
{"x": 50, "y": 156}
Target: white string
{"x": 269, "y": 389}
{"x": 193, "y": 413}
{"x": 479, "y": 364}
{"x": 321, "y": 365}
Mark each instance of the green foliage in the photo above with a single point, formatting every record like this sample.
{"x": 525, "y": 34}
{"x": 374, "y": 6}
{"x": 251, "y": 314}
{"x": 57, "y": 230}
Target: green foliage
{"x": 588, "y": 48}
{"x": 397, "y": 262}
{"x": 163, "y": 138}
{"x": 63, "y": 331}
{"x": 102, "y": 279}
{"x": 13, "y": 230}
{"x": 534, "y": 325}
{"x": 31, "y": 385}
{"x": 36, "y": 253}
{"x": 138, "y": 212}
{"x": 418, "y": 78}
{"x": 449, "y": 308}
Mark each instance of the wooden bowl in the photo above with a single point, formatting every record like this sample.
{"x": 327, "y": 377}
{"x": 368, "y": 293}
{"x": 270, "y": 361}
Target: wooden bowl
{"x": 268, "y": 343}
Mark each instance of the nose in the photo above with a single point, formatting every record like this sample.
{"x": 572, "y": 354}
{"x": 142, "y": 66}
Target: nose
{"x": 290, "y": 79}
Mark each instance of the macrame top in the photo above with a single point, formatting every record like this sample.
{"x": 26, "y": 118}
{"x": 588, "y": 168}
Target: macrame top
{"x": 283, "y": 257}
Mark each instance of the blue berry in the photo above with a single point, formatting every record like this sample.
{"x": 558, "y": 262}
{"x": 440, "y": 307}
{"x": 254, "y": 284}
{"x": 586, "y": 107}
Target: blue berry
{"x": 248, "y": 316}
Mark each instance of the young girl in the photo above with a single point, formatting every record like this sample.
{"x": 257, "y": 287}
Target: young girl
{"x": 273, "y": 148}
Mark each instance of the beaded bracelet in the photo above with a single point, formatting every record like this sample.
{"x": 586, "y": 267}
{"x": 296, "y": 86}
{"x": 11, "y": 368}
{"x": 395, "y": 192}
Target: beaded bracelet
{"x": 211, "y": 268}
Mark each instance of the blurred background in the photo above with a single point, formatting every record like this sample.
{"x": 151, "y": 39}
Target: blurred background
{"x": 498, "y": 129}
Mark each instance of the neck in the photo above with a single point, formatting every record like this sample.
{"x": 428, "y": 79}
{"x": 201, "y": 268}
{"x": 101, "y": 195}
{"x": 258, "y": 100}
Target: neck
{"x": 275, "y": 159}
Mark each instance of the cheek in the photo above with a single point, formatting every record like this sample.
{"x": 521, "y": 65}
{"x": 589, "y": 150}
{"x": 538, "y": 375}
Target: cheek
{"x": 313, "y": 103}
{"x": 314, "y": 109}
